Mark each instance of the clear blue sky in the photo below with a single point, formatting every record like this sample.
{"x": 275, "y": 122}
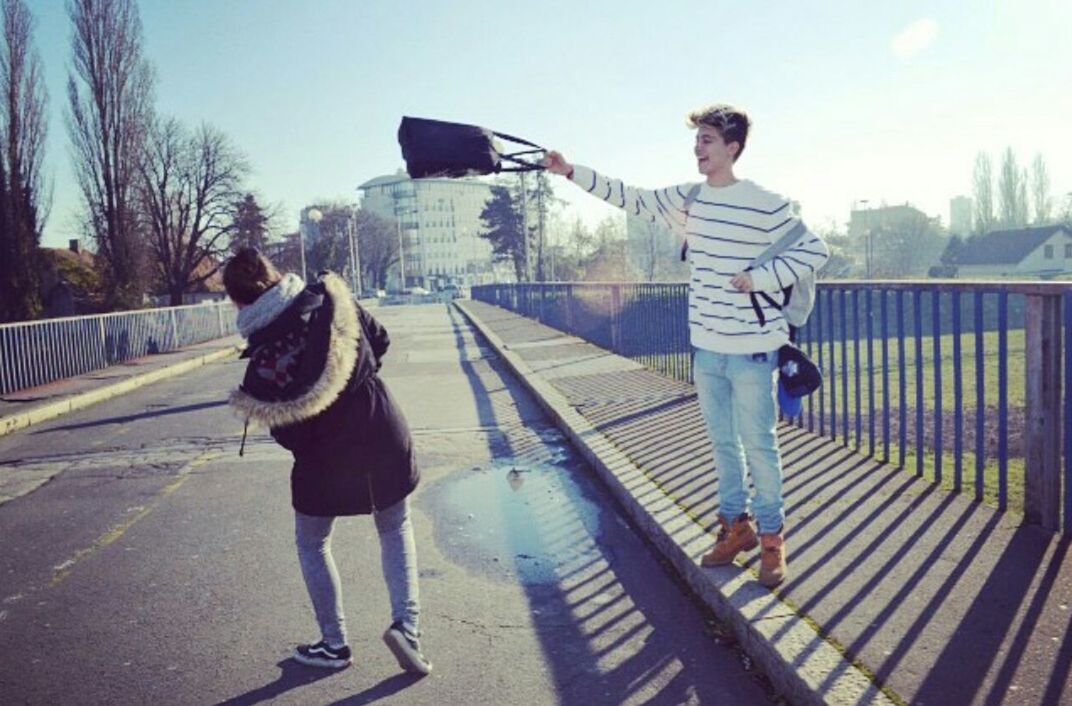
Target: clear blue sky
{"x": 850, "y": 100}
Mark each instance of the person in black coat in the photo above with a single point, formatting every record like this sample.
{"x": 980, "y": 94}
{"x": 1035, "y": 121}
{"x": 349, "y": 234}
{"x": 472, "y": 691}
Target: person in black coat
{"x": 312, "y": 380}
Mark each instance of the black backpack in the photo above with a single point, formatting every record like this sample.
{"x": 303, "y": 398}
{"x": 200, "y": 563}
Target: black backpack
{"x": 434, "y": 148}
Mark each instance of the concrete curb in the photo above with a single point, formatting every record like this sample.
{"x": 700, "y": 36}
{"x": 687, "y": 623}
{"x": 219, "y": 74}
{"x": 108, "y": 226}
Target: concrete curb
{"x": 803, "y": 666}
{"x": 21, "y": 420}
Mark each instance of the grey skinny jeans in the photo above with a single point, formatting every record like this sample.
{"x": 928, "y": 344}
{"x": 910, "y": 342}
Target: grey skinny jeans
{"x": 398, "y": 558}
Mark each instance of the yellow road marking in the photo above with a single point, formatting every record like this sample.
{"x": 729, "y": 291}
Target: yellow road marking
{"x": 118, "y": 530}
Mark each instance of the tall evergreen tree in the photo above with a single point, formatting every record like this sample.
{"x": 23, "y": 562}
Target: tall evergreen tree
{"x": 503, "y": 229}
{"x": 250, "y": 228}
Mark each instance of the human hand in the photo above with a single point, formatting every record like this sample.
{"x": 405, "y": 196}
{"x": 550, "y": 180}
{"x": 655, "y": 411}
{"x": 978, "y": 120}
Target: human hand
{"x": 555, "y": 163}
{"x": 742, "y": 281}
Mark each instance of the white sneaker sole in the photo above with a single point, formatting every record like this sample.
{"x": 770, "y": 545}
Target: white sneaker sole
{"x": 320, "y": 661}
{"x": 408, "y": 659}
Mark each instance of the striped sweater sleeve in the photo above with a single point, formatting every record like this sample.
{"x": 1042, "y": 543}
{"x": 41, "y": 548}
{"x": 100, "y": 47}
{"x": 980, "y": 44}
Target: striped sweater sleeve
{"x": 663, "y": 206}
{"x": 804, "y": 257}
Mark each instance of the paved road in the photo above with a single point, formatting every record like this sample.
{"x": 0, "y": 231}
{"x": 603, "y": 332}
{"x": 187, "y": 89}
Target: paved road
{"x": 158, "y": 567}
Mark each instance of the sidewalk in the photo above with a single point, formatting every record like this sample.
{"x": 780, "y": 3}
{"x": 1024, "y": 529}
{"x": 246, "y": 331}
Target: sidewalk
{"x": 34, "y": 405}
{"x": 894, "y": 584}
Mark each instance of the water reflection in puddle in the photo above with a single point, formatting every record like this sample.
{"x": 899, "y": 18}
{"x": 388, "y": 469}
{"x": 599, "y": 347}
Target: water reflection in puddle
{"x": 515, "y": 522}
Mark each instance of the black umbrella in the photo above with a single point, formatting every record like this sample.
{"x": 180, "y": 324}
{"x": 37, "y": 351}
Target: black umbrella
{"x": 434, "y": 148}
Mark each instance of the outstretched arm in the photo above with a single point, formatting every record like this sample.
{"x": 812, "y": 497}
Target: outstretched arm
{"x": 663, "y": 206}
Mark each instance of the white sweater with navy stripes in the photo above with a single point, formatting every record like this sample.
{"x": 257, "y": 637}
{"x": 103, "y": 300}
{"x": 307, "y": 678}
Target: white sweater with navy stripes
{"x": 726, "y": 228}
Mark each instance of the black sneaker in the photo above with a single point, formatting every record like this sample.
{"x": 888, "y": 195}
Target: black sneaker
{"x": 320, "y": 655}
{"x": 406, "y": 649}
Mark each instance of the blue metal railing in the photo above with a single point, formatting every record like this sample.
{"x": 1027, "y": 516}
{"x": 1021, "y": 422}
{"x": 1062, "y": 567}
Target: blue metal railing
{"x": 35, "y": 353}
{"x": 899, "y": 362}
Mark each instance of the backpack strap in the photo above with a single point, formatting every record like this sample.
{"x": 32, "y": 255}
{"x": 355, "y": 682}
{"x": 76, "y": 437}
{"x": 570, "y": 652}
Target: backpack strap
{"x": 690, "y": 198}
{"x": 776, "y": 248}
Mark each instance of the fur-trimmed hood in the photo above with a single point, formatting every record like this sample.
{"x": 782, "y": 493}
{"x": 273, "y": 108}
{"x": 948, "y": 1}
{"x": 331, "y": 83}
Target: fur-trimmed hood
{"x": 344, "y": 336}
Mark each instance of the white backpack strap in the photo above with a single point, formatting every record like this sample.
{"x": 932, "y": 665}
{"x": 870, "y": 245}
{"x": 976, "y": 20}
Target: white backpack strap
{"x": 776, "y": 248}
{"x": 779, "y": 246}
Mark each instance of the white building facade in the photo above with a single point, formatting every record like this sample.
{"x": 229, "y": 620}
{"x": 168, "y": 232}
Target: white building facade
{"x": 439, "y": 226}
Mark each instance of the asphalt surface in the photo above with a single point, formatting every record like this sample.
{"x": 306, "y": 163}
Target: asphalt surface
{"x": 157, "y": 566}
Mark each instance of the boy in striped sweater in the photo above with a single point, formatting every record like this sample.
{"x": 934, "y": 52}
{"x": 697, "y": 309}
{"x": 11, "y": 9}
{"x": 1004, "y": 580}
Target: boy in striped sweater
{"x": 727, "y": 222}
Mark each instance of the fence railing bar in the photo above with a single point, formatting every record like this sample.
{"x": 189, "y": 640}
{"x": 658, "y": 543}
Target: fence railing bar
{"x": 980, "y": 398}
{"x": 958, "y": 397}
{"x": 936, "y": 328}
{"x": 884, "y": 308}
{"x": 1003, "y": 400}
{"x": 902, "y": 382}
{"x": 856, "y": 363}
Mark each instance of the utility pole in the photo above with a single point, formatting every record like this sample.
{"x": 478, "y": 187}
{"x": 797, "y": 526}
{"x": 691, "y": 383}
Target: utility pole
{"x": 395, "y": 194}
{"x": 525, "y": 227}
{"x": 355, "y": 255}
{"x": 540, "y": 178}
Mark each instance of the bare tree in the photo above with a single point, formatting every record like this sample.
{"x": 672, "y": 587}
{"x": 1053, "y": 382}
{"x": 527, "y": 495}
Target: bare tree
{"x": 110, "y": 93}
{"x": 1012, "y": 193}
{"x": 907, "y": 248}
{"x": 1040, "y": 191}
{"x": 378, "y": 245}
{"x": 983, "y": 197}
{"x": 188, "y": 187}
{"x": 23, "y": 122}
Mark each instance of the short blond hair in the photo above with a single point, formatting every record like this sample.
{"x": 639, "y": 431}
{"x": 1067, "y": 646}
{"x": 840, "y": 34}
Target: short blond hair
{"x": 732, "y": 124}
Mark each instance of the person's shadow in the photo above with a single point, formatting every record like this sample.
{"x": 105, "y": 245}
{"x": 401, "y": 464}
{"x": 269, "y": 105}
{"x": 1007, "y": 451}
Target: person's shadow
{"x": 294, "y": 675}
{"x": 291, "y": 676}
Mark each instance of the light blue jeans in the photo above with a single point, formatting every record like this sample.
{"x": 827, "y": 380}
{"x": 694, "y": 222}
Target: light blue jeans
{"x": 737, "y": 396}
{"x": 398, "y": 557}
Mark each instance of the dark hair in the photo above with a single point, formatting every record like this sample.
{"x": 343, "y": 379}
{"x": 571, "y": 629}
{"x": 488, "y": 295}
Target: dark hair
{"x": 248, "y": 275}
{"x": 732, "y": 124}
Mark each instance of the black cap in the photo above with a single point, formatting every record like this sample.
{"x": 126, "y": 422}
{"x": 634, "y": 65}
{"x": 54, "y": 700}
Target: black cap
{"x": 799, "y": 375}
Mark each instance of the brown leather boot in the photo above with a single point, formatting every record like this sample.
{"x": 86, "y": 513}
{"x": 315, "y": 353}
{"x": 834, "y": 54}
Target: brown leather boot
{"x": 772, "y": 568}
{"x": 731, "y": 541}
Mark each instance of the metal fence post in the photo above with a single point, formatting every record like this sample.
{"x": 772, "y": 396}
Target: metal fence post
{"x": 219, "y": 317}
{"x": 616, "y": 317}
{"x": 1042, "y": 435}
{"x": 103, "y": 342}
{"x": 569, "y": 308}
{"x": 174, "y": 330}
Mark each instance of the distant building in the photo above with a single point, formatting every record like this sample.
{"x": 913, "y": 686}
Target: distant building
{"x": 862, "y": 221}
{"x": 1028, "y": 252}
{"x": 960, "y": 215}
{"x": 439, "y": 225}
{"x": 871, "y": 230}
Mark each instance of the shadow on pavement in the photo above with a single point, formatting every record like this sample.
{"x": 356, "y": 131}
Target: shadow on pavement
{"x": 292, "y": 675}
{"x": 599, "y": 610}
{"x": 135, "y": 417}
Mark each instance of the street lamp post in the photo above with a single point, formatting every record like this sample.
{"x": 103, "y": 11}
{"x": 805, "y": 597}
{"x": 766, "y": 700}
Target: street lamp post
{"x": 314, "y": 215}
{"x": 355, "y": 254}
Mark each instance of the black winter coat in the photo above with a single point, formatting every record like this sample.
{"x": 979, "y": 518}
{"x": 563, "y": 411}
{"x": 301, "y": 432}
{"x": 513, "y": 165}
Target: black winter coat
{"x": 312, "y": 380}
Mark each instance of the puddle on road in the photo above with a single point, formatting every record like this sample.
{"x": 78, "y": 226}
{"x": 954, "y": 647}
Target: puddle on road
{"x": 528, "y": 523}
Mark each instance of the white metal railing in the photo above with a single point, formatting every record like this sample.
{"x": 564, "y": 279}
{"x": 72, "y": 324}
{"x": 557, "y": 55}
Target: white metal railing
{"x": 35, "y": 353}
